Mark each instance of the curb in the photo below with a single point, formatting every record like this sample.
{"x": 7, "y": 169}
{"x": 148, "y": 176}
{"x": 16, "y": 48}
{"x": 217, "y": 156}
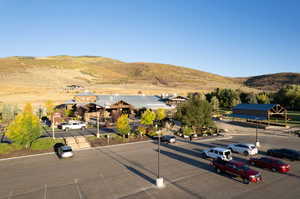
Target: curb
{"x": 108, "y": 146}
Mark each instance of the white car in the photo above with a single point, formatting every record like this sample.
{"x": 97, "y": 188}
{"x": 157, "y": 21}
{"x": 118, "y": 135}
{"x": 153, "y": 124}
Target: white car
{"x": 65, "y": 152}
{"x": 72, "y": 124}
{"x": 246, "y": 149}
{"x": 218, "y": 153}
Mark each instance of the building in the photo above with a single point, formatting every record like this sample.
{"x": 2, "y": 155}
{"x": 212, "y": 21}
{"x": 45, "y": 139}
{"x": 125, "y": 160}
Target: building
{"x": 88, "y": 104}
{"x": 259, "y": 111}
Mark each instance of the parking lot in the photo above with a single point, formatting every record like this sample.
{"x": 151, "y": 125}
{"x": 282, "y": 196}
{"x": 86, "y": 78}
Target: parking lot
{"x": 129, "y": 171}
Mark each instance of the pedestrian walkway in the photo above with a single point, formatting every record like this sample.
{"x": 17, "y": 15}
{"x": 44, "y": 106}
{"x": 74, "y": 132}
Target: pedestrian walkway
{"x": 77, "y": 142}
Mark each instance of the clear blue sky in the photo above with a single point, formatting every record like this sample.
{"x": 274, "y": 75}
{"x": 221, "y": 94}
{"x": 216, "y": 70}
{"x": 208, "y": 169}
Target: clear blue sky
{"x": 226, "y": 37}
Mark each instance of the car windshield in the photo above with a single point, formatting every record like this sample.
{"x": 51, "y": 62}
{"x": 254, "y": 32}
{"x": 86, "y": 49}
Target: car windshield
{"x": 67, "y": 150}
{"x": 252, "y": 147}
{"x": 244, "y": 167}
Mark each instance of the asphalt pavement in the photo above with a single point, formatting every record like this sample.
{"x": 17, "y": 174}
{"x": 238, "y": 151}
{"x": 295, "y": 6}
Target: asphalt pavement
{"x": 129, "y": 171}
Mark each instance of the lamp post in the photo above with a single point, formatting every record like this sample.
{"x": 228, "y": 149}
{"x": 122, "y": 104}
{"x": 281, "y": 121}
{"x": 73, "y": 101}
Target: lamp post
{"x": 98, "y": 133}
{"x": 159, "y": 180}
{"x": 256, "y": 136}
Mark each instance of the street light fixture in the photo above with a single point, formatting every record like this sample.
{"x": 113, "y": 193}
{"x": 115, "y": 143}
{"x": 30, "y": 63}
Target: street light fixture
{"x": 257, "y": 144}
{"x": 159, "y": 180}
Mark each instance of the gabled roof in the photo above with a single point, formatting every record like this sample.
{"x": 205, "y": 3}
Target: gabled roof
{"x": 138, "y": 101}
{"x": 86, "y": 93}
{"x": 258, "y": 107}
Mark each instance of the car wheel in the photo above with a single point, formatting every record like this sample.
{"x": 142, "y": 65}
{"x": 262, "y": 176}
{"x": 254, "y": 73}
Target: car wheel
{"x": 246, "y": 153}
{"x": 245, "y": 181}
{"x": 218, "y": 170}
{"x": 252, "y": 163}
{"x": 274, "y": 169}
{"x": 205, "y": 156}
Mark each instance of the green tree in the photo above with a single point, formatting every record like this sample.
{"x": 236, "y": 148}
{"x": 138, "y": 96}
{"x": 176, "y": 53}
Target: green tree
{"x": 263, "y": 98}
{"x": 187, "y": 131}
{"x": 215, "y": 103}
{"x": 195, "y": 113}
{"x": 25, "y": 128}
{"x": 160, "y": 115}
{"x": 289, "y": 97}
{"x": 148, "y": 117}
{"x": 123, "y": 125}
{"x": 49, "y": 105}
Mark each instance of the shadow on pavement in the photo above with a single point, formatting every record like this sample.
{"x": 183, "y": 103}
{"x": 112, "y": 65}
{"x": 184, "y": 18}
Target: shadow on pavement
{"x": 138, "y": 173}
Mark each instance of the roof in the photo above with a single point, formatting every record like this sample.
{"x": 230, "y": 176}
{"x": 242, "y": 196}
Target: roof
{"x": 70, "y": 102}
{"x": 86, "y": 93}
{"x": 138, "y": 101}
{"x": 250, "y": 117}
{"x": 220, "y": 149}
{"x": 258, "y": 107}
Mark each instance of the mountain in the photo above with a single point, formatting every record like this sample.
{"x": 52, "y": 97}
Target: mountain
{"x": 272, "y": 82}
{"x": 37, "y": 79}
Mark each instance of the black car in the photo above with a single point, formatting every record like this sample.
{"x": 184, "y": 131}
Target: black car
{"x": 284, "y": 153}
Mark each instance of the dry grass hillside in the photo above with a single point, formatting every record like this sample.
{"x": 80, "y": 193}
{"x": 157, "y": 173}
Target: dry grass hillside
{"x": 273, "y": 81}
{"x": 36, "y": 79}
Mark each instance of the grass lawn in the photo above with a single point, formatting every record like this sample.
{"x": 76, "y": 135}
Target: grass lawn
{"x": 41, "y": 144}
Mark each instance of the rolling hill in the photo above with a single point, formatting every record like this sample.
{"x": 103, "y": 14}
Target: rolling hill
{"x": 36, "y": 79}
{"x": 272, "y": 82}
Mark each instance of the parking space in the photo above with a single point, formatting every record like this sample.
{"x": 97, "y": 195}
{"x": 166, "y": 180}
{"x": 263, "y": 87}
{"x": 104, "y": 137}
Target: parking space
{"x": 129, "y": 171}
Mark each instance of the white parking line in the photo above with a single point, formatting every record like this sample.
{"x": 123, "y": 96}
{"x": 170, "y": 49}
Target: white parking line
{"x": 10, "y": 194}
{"x": 45, "y": 191}
{"x": 78, "y": 188}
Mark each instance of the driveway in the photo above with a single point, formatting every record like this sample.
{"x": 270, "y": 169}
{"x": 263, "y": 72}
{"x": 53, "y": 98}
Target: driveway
{"x": 129, "y": 171}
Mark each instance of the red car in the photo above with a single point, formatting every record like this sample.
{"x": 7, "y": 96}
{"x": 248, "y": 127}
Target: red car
{"x": 238, "y": 169}
{"x": 270, "y": 163}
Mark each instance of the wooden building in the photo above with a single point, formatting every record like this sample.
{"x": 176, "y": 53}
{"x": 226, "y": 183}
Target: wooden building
{"x": 259, "y": 111}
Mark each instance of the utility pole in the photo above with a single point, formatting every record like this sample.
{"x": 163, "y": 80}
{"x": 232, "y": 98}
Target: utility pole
{"x": 53, "y": 134}
{"x": 159, "y": 180}
{"x": 256, "y": 136}
{"x": 98, "y": 130}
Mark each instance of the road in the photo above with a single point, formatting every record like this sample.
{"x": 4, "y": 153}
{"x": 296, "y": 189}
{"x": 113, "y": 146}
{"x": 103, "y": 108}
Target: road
{"x": 129, "y": 171}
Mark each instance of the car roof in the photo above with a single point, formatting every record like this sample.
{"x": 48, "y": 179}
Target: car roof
{"x": 238, "y": 163}
{"x": 219, "y": 149}
{"x": 246, "y": 144}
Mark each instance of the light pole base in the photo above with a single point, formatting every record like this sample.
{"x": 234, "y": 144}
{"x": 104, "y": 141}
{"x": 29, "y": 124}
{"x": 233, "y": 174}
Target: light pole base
{"x": 160, "y": 183}
{"x": 257, "y": 144}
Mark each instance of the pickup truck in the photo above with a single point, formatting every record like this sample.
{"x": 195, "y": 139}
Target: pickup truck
{"x": 72, "y": 125}
{"x": 237, "y": 169}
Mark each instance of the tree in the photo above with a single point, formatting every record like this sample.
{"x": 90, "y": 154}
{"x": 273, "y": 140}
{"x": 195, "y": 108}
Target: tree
{"x": 8, "y": 112}
{"x": 160, "y": 115}
{"x": 49, "y": 105}
{"x": 195, "y": 113}
{"x": 251, "y": 98}
{"x": 148, "y": 117}
{"x": 123, "y": 126}
{"x": 289, "y": 97}
{"x": 263, "y": 98}
{"x": 214, "y": 103}
{"x": 25, "y": 128}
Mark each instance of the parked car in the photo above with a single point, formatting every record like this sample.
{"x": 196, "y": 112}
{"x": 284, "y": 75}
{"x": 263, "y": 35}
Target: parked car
{"x": 72, "y": 125}
{"x": 218, "y": 153}
{"x": 65, "y": 152}
{"x": 237, "y": 169}
{"x": 270, "y": 163}
{"x": 246, "y": 149}
{"x": 284, "y": 153}
{"x": 168, "y": 139}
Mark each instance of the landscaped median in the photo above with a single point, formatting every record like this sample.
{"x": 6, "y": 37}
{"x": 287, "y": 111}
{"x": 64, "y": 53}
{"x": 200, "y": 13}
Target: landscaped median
{"x": 112, "y": 139}
{"x": 41, "y": 145}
